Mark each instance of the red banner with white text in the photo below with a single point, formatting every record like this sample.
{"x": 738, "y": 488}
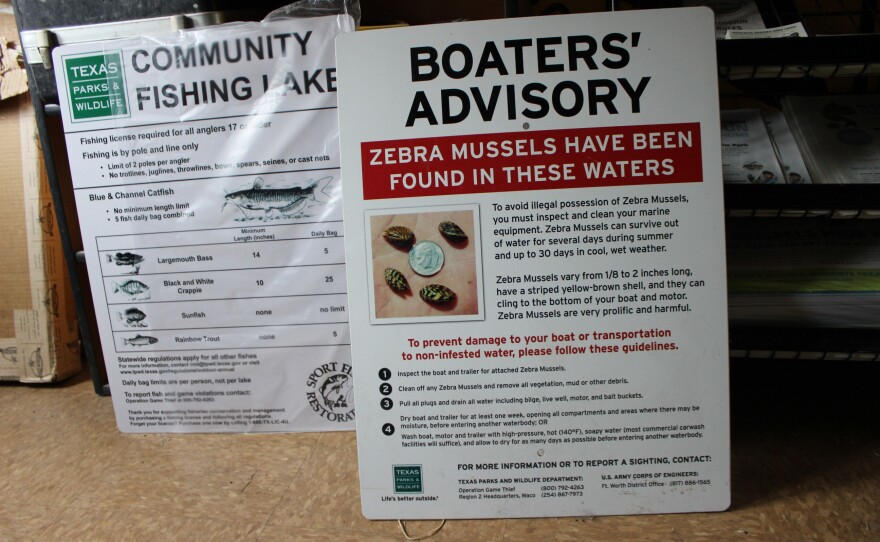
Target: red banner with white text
{"x": 541, "y": 160}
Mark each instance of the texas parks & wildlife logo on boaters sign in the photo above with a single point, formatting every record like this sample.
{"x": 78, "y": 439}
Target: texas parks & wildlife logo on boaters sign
{"x": 332, "y": 395}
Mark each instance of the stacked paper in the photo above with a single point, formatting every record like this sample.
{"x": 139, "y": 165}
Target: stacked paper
{"x": 747, "y": 154}
{"x": 839, "y": 136}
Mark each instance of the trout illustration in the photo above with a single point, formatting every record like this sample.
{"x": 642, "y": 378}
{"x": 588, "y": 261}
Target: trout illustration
{"x": 286, "y": 201}
{"x": 140, "y": 340}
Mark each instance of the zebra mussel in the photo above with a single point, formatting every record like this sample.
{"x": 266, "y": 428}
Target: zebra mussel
{"x": 399, "y": 235}
{"x": 452, "y": 232}
{"x": 395, "y": 280}
{"x": 437, "y": 294}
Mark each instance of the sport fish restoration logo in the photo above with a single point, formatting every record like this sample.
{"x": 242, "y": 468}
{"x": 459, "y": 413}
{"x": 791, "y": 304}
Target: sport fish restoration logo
{"x": 95, "y": 86}
{"x": 332, "y": 396}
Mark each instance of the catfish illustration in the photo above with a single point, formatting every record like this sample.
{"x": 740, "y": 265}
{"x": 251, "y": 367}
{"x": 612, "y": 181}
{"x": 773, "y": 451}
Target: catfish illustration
{"x": 287, "y": 201}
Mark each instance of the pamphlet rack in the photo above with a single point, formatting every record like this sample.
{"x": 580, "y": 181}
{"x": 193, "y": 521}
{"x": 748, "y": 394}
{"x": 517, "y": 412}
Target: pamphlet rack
{"x": 842, "y": 55}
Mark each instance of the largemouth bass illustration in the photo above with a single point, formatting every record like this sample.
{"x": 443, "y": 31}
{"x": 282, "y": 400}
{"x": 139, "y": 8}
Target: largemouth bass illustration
{"x": 140, "y": 340}
{"x": 284, "y": 201}
{"x": 126, "y": 259}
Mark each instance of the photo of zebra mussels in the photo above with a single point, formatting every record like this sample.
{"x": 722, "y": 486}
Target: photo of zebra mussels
{"x": 424, "y": 264}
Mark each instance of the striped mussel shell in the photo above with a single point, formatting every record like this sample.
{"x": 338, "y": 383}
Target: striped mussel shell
{"x": 452, "y": 232}
{"x": 399, "y": 235}
{"x": 395, "y": 280}
{"x": 437, "y": 294}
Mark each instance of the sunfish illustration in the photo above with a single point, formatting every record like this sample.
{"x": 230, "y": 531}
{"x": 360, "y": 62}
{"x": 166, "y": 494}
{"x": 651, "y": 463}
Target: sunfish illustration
{"x": 140, "y": 340}
{"x": 132, "y": 317}
{"x": 286, "y": 201}
{"x": 127, "y": 259}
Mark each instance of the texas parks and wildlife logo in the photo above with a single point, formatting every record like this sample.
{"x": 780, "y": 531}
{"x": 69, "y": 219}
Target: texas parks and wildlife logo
{"x": 96, "y": 87}
{"x": 332, "y": 394}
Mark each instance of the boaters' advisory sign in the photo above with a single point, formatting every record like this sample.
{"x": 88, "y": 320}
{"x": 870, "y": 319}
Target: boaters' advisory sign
{"x": 206, "y": 174}
{"x": 538, "y": 304}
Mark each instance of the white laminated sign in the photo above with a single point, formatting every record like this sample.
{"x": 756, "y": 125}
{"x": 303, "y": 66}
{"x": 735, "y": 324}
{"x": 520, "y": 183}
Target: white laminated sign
{"x": 206, "y": 174}
{"x": 535, "y": 242}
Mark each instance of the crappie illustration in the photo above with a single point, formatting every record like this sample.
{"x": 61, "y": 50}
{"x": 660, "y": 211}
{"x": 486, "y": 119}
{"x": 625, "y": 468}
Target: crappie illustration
{"x": 140, "y": 340}
{"x": 135, "y": 289}
{"x": 132, "y": 317}
{"x": 281, "y": 201}
{"x": 126, "y": 259}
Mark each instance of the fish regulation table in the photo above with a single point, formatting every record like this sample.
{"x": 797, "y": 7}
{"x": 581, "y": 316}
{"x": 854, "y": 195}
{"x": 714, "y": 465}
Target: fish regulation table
{"x": 184, "y": 282}
{"x": 206, "y": 175}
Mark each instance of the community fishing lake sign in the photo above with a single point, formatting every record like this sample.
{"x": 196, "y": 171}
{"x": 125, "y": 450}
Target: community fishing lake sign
{"x": 206, "y": 174}
{"x": 537, "y": 297}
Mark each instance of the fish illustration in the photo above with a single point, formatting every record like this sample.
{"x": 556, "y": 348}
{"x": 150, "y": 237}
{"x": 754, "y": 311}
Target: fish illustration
{"x": 50, "y": 300}
{"x": 335, "y": 391}
{"x": 36, "y": 363}
{"x": 47, "y": 219}
{"x": 133, "y": 288}
{"x": 286, "y": 201}
{"x": 132, "y": 317}
{"x": 10, "y": 353}
{"x": 129, "y": 259}
{"x": 140, "y": 340}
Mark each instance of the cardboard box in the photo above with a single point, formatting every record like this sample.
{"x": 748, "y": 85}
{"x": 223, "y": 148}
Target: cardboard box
{"x": 39, "y": 340}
